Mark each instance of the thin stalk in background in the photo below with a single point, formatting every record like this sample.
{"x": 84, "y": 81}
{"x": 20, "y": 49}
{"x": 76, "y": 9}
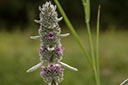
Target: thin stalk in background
{"x": 97, "y": 41}
{"x": 73, "y": 31}
{"x": 87, "y": 20}
{"x": 92, "y": 55}
{"x": 86, "y": 5}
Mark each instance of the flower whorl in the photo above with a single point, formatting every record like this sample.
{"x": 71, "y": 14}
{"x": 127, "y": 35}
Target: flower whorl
{"x": 51, "y": 50}
{"x": 52, "y": 73}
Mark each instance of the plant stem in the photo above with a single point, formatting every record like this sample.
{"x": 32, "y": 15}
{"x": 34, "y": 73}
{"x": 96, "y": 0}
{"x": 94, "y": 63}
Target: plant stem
{"x": 73, "y": 32}
{"x": 92, "y": 54}
{"x": 97, "y": 42}
{"x": 87, "y": 20}
{"x": 91, "y": 44}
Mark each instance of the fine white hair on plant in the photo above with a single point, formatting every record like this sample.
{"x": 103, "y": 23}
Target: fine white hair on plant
{"x": 51, "y": 50}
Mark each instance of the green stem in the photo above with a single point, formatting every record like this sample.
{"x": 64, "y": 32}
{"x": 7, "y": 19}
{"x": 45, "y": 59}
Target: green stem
{"x": 73, "y": 31}
{"x": 97, "y": 42}
{"x": 92, "y": 55}
{"x": 87, "y": 20}
{"x": 91, "y": 44}
{"x": 96, "y": 76}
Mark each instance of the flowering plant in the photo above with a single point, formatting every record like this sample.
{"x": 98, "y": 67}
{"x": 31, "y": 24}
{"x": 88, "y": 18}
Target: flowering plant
{"x": 51, "y": 50}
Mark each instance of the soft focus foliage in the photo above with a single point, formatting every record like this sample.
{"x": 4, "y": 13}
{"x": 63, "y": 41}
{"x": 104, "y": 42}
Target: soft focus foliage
{"x": 18, "y": 53}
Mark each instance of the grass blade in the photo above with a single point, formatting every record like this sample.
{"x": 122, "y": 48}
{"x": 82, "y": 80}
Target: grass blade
{"x": 86, "y": 5}
{"x": 97, "y": 40}
{"x": 73, "y": 31}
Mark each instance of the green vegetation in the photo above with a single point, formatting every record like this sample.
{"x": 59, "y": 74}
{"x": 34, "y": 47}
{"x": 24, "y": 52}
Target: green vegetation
{"x": 18, "y": 52}
{"x": 92, "y": 59}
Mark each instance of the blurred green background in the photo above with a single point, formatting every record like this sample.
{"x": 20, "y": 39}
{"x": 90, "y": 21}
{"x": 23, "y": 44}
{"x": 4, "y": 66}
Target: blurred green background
{"x": 18, "y": 52}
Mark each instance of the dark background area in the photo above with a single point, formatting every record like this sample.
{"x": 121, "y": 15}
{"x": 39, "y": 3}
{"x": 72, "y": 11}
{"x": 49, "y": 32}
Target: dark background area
{"x": 21, "y": 13}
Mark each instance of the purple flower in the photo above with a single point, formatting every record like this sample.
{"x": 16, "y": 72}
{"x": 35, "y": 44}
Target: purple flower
{"x": 51, "y": 67}
{"x": 58, "y": 49}
{"x": 61, "y": 70}
{"x": 59, "y": 52}
{"x": 42, "y": 73}
{"x": 50, "y": 38}
{"x": 58, "y": 67}
{"x": 50, "y": 35}
{"x": 63, "y": 49}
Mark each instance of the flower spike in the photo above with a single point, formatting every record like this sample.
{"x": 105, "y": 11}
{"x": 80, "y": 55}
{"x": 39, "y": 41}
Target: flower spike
{"x": 51, "y": 50}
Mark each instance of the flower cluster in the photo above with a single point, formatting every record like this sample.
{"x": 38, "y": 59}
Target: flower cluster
{"x": 51, "y": 50}
{"x": 51, "y": 54}
{"x": 52, "y": 73}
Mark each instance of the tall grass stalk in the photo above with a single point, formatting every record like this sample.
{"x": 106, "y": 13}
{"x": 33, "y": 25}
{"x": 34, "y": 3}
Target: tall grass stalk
{"x": 97, "y": 42}
{"x": 73, "y": 32}
{"x": 95, "y": 60}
